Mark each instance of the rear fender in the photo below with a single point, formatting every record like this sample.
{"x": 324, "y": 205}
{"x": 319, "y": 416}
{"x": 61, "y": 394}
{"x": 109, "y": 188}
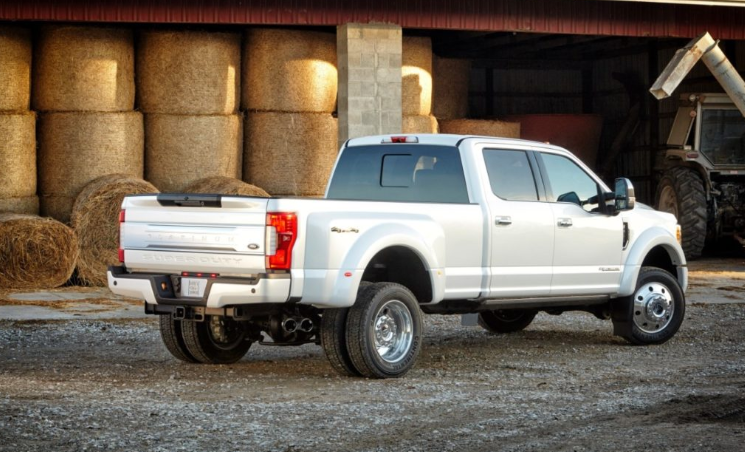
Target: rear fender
{"x": 425, "y": 238}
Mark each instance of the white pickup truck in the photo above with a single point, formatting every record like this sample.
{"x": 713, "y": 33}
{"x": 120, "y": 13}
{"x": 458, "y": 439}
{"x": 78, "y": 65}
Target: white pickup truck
{"x": 440, "y": 224}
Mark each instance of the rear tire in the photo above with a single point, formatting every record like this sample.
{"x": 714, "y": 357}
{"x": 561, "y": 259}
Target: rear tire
{"x": 334, "y": 341}
{"x": 384, "y": 331}
{"x": 681, "y": 193}
{"x": 506, "y": 320}
{"x": 334, "y": 338}
{"x": 170, "y": 332}
{"x": 216, "y": 340}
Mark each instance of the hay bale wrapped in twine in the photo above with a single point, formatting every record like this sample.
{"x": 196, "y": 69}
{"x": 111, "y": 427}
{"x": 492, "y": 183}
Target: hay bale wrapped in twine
{"x": 419, "y": 124}
{"x": 290, "y": 153}
{"x": 225, "y": 186}
{"x": 481, "y": 127}
{"x": 17, "y": 155}
{"x": 76, "y": 148}
{"x": 181, "y": 149}
{"x": 15, "y": 68}
{"x": 450, "y": 90}
{"x": 84, "y": 69}
{"x": 26, "y": 205}
{"x": 289, "y": 70}
{"x": 35, "y": 253}
{"x": 95, "y": 219}
{"x": 416, "y": 72}
{"x": 188, "y": 72}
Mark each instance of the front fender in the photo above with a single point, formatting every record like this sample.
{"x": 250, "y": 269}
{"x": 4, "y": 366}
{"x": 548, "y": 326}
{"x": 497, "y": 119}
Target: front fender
{"x": 650, "y": 238}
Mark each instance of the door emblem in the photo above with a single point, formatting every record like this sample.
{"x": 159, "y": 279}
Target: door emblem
{"x": 253, "y": 246}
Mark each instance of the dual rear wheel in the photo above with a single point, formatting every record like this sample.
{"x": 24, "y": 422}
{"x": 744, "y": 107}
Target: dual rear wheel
{"x": 379, "y": 337}
{"x": 216, "y": 340}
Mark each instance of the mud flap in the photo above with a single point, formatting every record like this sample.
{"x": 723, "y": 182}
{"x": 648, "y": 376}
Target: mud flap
{"x": 621, "y": 312}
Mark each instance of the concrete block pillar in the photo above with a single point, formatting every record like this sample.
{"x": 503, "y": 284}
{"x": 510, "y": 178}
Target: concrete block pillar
{"x": 369, "y": 64}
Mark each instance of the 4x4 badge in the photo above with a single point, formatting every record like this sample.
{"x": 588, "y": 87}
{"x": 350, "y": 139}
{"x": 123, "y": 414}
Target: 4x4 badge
{"x": 335, "y": 229}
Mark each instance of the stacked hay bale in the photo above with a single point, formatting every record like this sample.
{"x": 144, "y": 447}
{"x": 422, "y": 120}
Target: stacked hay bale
{"x": 84, "y": 85}
{"x": 482, "y": 127}
{"x": 416, "y": 87}
{"x": 95, "y": 219}
{"x": 450, "y": 90}
{"x": 17, "y": 124}
{"x": 188, "y": 87}
{"x": 289, "y": 92}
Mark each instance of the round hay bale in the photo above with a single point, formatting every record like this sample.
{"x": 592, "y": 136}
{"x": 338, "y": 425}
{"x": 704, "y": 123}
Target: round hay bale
{"x": 35, "y": 253}
{"x": 188, "y": 72}
{"x": 481, "y": 127}
{"x": 290, "y": 153}
{"x": 17, "y": 155}
{"x": 450, "y": 90}
{"x": 57, "y": 207}
{"x": 225, "y": 186}
{"x": 95, "y": 219}
{"x": 15, "y": 68}
{"x": 289, "y": 70}
{"x": 416, "y": 72}
{"x": 419, "y": 124}
{"x": 182, "y": 149}
{"x": 26, "y": 205}
{"x": 75, "y": 148}
{"x": 84, "y": 69}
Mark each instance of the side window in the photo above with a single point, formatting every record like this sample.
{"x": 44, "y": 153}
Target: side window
{"x": 568, "y": 182}
{"x": 510, "y": 175}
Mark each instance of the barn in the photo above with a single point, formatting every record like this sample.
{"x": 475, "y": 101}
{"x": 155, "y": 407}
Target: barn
{"x": 99, "y": 99}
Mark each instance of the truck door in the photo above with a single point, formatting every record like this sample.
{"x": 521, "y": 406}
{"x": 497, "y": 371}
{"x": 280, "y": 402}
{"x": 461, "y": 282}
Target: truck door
{"x": 587, "y": 243}
{"x": 521, "y": 226}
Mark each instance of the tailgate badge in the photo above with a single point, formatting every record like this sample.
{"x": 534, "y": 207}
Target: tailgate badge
{"x": 253, "y": 246}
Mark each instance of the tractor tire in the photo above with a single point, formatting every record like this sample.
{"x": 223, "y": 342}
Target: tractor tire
{"x": 681, "y": 193}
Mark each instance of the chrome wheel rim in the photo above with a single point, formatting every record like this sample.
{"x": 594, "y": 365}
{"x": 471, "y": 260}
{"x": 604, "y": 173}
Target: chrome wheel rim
{"x": 668, "y": 201}
{"x": 224, "y": 334}
{"x": 653, "y": 307}
{"x": 393, "y": 331}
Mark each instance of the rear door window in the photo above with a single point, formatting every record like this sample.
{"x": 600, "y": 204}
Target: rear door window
{"x": 400, "y": 172}
{"x": 510, "y": 175}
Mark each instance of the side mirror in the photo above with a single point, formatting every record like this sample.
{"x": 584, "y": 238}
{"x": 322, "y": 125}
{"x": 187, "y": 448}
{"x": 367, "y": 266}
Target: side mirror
{"x": 625, "y": 198}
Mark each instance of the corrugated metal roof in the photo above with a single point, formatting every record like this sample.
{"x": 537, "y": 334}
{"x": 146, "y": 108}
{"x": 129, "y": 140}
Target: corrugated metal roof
{"x": 615, "y": 18}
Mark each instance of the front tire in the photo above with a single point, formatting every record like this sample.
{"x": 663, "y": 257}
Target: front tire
{"x": 658, "y": 307}
{"x": 506, "y": 320}
{"x": 384, "y": 331}
{"x": 681, "y": 193}
{"x": 216, "y": 340}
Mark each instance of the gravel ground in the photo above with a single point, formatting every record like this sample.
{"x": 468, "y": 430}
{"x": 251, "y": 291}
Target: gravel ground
{"x": 564, "y": 384}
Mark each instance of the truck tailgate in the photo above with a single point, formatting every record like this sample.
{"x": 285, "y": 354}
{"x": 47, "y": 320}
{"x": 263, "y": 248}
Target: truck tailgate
{"x": 216, "y": 234}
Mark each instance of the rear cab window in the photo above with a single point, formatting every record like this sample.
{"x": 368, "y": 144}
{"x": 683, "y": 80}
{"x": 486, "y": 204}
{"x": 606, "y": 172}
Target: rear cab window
{"x": 400, "y": 172}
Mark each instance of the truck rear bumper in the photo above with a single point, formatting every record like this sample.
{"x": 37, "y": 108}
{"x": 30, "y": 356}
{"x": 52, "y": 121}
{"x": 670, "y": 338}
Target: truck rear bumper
{"x": 158, "y": 289}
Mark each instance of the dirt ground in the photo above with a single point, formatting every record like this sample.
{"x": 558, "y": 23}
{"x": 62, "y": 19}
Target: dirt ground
{"x": 564, "y": 384}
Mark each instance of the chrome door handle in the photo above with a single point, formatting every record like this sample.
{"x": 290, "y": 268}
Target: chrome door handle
{"x": 503, "y": 220}
{"x": 564, "y": 222}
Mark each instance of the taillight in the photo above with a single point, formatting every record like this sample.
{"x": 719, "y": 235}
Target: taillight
{"x": 121, "y": 224}
{"x": 285, "y": 227}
